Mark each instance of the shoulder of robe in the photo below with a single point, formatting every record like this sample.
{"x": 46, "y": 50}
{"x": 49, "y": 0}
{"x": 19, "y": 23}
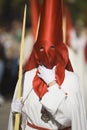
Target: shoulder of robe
{"x": 28, "y": 78}
{"x": 30, "y": 73}
{"x": 72, "y": 79}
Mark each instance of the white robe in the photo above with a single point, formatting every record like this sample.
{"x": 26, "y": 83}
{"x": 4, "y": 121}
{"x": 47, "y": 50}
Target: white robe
{"x": 66, "y": 109}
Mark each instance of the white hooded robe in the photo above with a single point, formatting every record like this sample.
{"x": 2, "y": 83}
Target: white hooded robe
{"x": 68, "y": 109}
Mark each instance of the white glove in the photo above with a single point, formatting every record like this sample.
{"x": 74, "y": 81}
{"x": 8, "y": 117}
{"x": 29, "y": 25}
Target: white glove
{"x": 17, "y": 105}
{"x": 48, "y": 75}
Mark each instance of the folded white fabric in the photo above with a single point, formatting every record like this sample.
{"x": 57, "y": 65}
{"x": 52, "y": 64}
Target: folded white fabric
{"x": 17, "y": 105}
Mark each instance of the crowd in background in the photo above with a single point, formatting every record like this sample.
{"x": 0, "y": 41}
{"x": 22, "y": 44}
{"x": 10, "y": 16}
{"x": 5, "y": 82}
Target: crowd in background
{"x": 10, "y": 40}
{"x": 9, "y": 53}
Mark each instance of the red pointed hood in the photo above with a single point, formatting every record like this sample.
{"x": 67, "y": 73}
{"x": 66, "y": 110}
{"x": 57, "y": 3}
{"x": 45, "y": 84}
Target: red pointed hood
{"x": 49, "y": 49}
{"x": 48, "y": 46}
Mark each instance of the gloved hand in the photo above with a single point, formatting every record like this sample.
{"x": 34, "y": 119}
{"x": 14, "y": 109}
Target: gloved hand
{"x": 48, "y": 75}
{"x": 17, "y": 105}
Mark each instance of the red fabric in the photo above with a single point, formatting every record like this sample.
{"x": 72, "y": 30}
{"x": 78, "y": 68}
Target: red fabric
{"x": 41, "y": 128}
{"x": 35, "y": 8}
{"x": 50, "y": 33}
{"x": 51, "y": 21}
{"x": 36, "y": 127}
{"x": 40, "y": 87}
{"x": 49, "y": 49}
{"x": 49, "y": 57}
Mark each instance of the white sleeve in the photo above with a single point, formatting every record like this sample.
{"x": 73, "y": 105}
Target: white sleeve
{"x": 10, "y": 122}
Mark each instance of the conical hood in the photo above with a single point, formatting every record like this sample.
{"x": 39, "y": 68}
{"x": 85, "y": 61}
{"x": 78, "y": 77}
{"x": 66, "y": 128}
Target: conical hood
{"x": 51, "y": 22}
{"x": 49, "y": 49}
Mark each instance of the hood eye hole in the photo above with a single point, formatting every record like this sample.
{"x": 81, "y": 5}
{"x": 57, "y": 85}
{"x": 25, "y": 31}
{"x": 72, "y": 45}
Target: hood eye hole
{"x": 41, "y": 49}
{"x": 52, "y": 47}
